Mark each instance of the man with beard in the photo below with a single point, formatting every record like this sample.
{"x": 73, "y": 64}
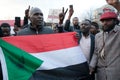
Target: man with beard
{"x": 37, "y": 24}
{"x": 86, "y": 41}
{"x": 75, "y": 22}
{"x": 74, "y": 27}
{"x": 106, "y": 56}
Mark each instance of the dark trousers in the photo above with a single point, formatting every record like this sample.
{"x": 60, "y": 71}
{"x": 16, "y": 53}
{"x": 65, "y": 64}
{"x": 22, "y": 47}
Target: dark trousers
{"x": 92, "y": 76}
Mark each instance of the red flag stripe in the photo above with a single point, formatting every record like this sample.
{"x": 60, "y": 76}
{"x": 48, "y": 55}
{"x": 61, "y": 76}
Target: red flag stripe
{"x": 43, "y": 43}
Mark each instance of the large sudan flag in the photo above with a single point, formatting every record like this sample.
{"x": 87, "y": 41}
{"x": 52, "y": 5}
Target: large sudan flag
{"x": 42, "y": 57}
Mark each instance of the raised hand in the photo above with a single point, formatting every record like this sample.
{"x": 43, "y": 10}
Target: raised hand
{"x": 71, "y": 11}
{"x": 62, "y": 15}
{"x": 27, "y": 11}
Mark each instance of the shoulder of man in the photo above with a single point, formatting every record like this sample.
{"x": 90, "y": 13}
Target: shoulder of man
{"x": 118, "y": 27}
{"x": 48, "y": 29}
{"x": 23, "y": 31}
{"x": 99, "y": 34}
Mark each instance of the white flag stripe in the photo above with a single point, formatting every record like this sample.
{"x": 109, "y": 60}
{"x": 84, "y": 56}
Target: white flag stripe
{"x": 3, "y": 65}
{"x": 60, "y": 58}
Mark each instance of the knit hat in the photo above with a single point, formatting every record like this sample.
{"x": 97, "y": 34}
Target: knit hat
{"x": 34, "y": 10}
{"x": 108, "y": 15}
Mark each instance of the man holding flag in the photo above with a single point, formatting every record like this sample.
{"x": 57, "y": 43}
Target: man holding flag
{"x": 43, "y": 57}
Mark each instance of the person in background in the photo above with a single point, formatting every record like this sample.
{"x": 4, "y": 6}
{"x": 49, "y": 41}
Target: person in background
{"x": 75, "y": 22}
{"x": 59, "y": 28}
{"x": 26, "y": 17}
{"x": 36, "y": 25}
{"x": 5, "y": 27}
{"x": 16, "y": 29}
{"x": 1, "y": 34}
{"x": 94, "y": 28}
{"x": 54, "y": 27}
{"x": 115, "y": 4}
{"x": 1, "y": 76}
{"x": 106, "y": 56}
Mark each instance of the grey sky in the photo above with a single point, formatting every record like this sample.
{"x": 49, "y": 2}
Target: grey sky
{"x": 11, "y": 8}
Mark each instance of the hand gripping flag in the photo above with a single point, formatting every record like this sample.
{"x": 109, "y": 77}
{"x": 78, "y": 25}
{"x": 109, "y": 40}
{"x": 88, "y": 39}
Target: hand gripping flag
{"x": 42, "y": 57}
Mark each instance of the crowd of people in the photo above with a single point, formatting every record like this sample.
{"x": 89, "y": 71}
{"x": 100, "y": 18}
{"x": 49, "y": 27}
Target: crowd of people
{"x": 100, "y": 47}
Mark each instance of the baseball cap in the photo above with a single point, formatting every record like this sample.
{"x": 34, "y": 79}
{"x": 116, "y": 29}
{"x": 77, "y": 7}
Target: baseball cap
{"x": 108, "y": 15}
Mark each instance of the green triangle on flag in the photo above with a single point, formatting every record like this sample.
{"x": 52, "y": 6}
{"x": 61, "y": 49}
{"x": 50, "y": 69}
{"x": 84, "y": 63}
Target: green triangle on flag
{"x": 19, "y": 64}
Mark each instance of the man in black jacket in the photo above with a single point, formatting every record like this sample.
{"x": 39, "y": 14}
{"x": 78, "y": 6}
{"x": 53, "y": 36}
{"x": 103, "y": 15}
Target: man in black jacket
{"x": 37, "y": 24}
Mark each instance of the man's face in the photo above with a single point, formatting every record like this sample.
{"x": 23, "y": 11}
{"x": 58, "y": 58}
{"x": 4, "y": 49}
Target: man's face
{"x": 93, "y": 29}
{"x": 85, "y": 26}
{"x": 5, "y": 31}
{"x": 75, "y": 21}
{"x": 112, "y": 2}
{"x": 108, "y": 24}
{"x": 37, "y": 19}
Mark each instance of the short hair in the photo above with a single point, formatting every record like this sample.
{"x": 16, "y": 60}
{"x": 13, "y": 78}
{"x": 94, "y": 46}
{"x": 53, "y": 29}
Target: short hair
{"x": 5, "y": 25}
{"x": 95, "y": 24}
{"x": 75, "y": 17}
{"x": 88, "y": 20}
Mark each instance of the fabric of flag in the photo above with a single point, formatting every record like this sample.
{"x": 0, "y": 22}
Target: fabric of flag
{"x": 42, "y": 57}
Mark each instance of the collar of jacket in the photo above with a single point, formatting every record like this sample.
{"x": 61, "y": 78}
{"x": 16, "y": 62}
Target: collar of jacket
{"x": 115, "y": 28}
{"x": 39, "y": 29}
